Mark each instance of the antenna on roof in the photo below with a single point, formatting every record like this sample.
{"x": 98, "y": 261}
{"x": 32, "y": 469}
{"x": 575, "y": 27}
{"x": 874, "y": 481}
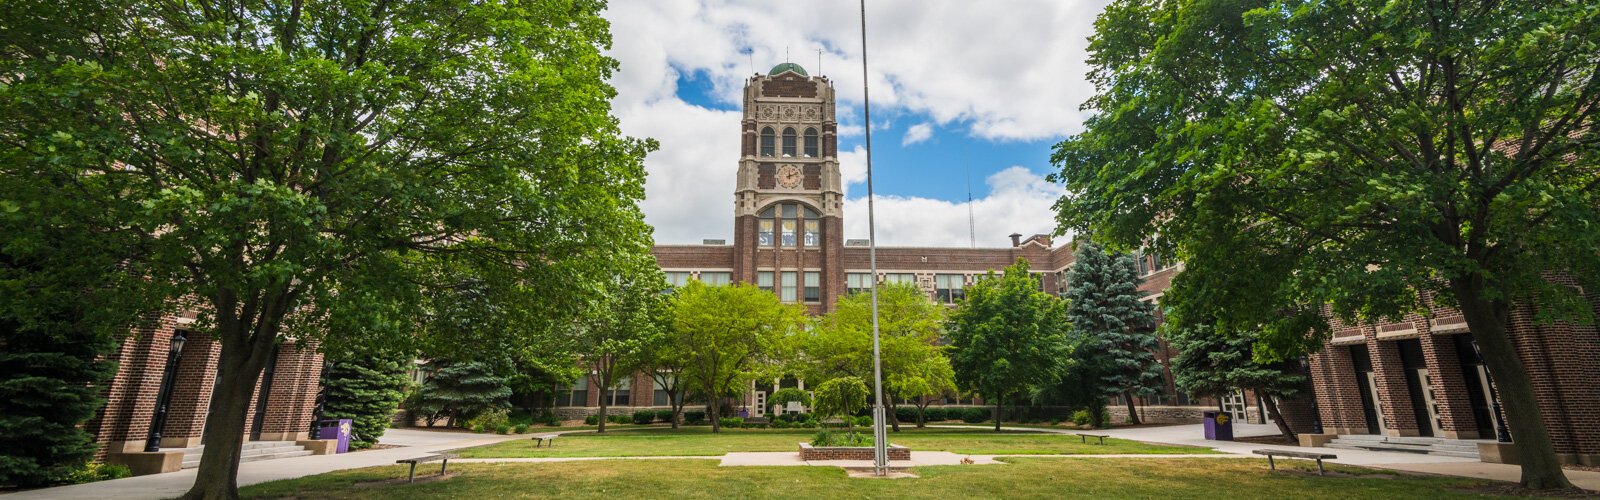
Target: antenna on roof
{"x": 972, "y": 221}
{"x": 819, "y": 61}
{"x": 786, "y": 54}
{"x": 752, "y": 54}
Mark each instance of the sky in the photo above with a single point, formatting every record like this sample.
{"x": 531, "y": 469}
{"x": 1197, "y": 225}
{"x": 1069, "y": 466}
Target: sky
{"x": 965, "y": 96}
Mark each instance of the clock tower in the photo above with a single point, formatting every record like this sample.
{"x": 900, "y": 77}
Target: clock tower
{"x": 788, "y": 201}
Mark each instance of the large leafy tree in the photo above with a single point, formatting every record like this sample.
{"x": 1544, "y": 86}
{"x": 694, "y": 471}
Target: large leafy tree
{"x": 1008, "y": 337}
{"x": 1114, "y": 332}
{"x": 286, "y": 162}
{"x": 1364, "y": 155}
{"x": 731, "y": 335}
{"x": 910, "y": 328}
{"x": 617, "y": 333}
{"x": 1218, "y": 362}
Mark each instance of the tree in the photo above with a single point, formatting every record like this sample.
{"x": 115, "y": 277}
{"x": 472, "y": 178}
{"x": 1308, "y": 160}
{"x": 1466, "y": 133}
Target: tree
{"x": 283, "y": 163}
{"x": 910, "y": 328}
{"x": 462, "y": 390}
{"x": 1115, "y": 330}
{"x": 1369, "y": 157}
{"x": 841, "y": 397}
{"x": 366, "y": 387}
{"x": 782, "y": 397}
{"x": 615, "y": 335}
{"x": 1007, "y": 337}
{"x": 732, "y": 334}
{"x": 665, "y": 360}
{"x": 1213, "y": 362}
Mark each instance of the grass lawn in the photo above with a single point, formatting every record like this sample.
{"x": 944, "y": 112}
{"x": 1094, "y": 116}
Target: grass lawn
{"x": 1022, "y": 478}
{"x": 699, "y": 441}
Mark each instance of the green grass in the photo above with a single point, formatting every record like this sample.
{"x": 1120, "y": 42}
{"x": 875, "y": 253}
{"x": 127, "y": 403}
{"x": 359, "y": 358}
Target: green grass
{"x": 699, "y": 441}
{"x": 1022, "y": 478}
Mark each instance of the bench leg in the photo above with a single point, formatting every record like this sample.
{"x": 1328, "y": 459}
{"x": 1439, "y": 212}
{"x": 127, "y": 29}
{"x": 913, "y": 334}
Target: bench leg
{"x": 442, "y": 465}
{"x": 1083, "y": 439}
{"x": 1319, "y": 468}
{"x": 413, "y": 475}
{"x": 1270, "y": 464}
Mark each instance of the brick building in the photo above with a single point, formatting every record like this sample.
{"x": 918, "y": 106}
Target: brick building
{"x": 279, "y": 416}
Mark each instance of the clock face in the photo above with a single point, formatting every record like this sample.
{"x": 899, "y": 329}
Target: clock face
{"x": 789, "y": 176}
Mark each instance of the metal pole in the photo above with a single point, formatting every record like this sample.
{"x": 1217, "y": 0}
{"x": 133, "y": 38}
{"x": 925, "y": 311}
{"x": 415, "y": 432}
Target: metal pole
{"x": 158, "y": 420}
{"x": 880, "y": 445}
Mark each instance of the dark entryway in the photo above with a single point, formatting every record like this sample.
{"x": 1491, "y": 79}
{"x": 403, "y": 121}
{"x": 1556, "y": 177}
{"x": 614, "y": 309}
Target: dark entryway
{"x": 1368, "y": 387}
{"x": 1474, "y": 374}
{"x": 1420, "y": 384}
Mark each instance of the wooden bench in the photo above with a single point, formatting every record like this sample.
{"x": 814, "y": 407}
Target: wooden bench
{"x": 1084, "y": 438}
{"x": 443, "y": 458}
{"x": 1319, "y": 457}
{"x": 547, "y": 438}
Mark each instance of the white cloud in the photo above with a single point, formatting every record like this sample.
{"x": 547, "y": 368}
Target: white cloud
{"x": 917, "y": 133}
{"x": 1011, "y": 73}
{"x": 1018, "y": 202}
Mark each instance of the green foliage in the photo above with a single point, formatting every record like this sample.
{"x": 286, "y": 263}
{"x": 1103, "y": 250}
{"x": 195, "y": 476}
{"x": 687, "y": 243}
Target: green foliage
{"x": 1082, "y": 417}
{"x": 934, "y": 414}
{"x": 45, "y": 377}
{"x": 782, "y": 397}
{"x": 644, "y": 417}
{"x": 905, "y": 414}
{"x": 731, "y": 334}
{"x": 488, "y": 420}
{"x": 591, "y": 420}
{"x": 520, "y": 428}
{"x": 1008, "y": 336}
{"x": 840, "y": 397}
{"x": 1216, "y": 362}
{"x": 841, "y": 439}
{"x": 663, "y": 415}
{"x": 617, "y": 335}
{"x": 910, "y": 328}
{"x": 92, "y": 472}
{"x": 733, "y": 422}
{"x": 694, "y": 417}
{"x": 464, "y": 390}
{"x": 619, "y": 419}
{"x": 976, "y": 415}
{"x": 1113, "y": 336}
{"x": 365, "y": 387}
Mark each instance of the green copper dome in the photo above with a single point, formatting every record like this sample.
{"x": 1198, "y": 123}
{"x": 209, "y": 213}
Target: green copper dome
{"x": 787, "y": 67}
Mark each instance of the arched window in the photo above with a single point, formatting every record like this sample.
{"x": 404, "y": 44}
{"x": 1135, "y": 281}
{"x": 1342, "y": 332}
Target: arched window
{"x": 788, "y": 143}
{"x": 789, "y": 225}
{"x": 768, "y": 141}
{"x": 811, "y": 143}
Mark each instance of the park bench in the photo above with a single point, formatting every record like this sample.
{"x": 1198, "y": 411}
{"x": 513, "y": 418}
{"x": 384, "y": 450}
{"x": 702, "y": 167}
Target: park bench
{"x": 1319, "y": 457}
{"x": 443, "y": 458}
{"x": 1084, "y": 438}
{"x": 547, "y": 438}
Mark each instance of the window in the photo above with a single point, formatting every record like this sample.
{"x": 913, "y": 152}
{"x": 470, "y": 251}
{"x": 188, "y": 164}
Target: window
{"x": 575, "y": 395}
{"x": 622, "y": 392}
{"x": 900, "y": 278}
{"x": 1155, "y": 263}
{"x": 1061, "y": 283}
{"x": 1038, "y": 281}
{"x": 788, "y": 232}
{"x": 949, "y": 288}
{"x": 716, "y": 278}
{"x": 660, "y": 396}
{"x": 764, "y": 235}
{"x": 858, "y": 282}
{"x": 788, "y": 143}
{"x": 811, "y": 143}
{"x": 813, "y": 286}
{"x": 764, "y": 280}
{"x": 812, "y": 238}
{"x": 767, "y": 141}
{"x": 677, "y": 279}
{"x": 787, "y": 292}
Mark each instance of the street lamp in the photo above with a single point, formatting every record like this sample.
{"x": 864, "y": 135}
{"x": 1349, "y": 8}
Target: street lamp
{"x": 880, "y": 446}
{"x": 152, "y": 443}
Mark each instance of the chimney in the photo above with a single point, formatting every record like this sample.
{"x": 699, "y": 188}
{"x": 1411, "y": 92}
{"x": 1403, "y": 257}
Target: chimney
{"x": 1016, "y": 239}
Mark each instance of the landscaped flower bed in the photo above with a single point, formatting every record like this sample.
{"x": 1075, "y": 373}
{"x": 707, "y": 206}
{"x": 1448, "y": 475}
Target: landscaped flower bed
{"x": 810, "y": 453}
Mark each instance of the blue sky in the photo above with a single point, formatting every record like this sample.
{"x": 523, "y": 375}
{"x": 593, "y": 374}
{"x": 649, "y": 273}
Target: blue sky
{"x": 960, "y": 90}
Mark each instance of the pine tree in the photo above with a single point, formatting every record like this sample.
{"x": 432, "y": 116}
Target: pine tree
{"x": 462, "y": 390}
{"x": 366, "y": 388}
{"x": 1114, "y": 331}
{"x": 50, "y": 380}
{"x": 1213, "y": 361}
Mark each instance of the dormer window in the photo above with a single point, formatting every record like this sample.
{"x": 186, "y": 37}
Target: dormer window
{"x": 811, "y": 143}
{"x": 768, "y": 141}
{"x": 788, "y": 143}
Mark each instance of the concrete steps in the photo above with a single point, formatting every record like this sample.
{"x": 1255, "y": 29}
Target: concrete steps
{"x": 252, "y": 451}
{"x": 1423, "y": 445}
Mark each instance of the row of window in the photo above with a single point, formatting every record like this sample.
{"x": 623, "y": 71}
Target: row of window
{"x": 677, "y": 279}
{"x": 621, "y": 395}
{"x": 788, "y": 284}
{"x": 769, "y": 142}
{"x": 791, "y": 218}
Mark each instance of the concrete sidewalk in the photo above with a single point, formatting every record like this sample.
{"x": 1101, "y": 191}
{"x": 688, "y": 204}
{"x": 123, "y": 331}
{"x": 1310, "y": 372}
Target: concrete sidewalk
{"x": 157, "y": 486}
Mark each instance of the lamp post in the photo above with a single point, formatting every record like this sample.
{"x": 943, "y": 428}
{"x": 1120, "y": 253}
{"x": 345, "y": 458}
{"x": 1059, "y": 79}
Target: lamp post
{"x": 1501, "y": 433}
{"x": 152, "y": 443}
{"x": 880, "y": 446}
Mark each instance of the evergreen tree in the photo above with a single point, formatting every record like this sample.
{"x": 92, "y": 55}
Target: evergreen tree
{"x": 1214, "y": 361}
{"x": 461, "y": 390}
{"x": 366, "y": 388}
{"x": 50, "y": 380}
{"x": 1114, "y": 331}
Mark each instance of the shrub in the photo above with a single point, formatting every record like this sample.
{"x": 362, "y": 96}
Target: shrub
{"x": 521, "y": 428}
{"x": 644, "y": 417}
{"x": 694, "y": 417}
{"x": 734, "y": 422}
{"x": 92, "y": 472}
{"x": 664, "y": 415}
{"x": 619, "y": 419}
{"x": 476, "y": 428}
{"x": 862, "y": 421}
{"x": 836, "y": 438}
{"x": 905, "y": 413}
{"x": 489, "y": 419}
{"x": 780, "y": 424}
{"x": 976, "y": 415}
{"x": 591, "y": 420}
{"x": 553, "y": 422}
{"x": 502, "y": 429}
{"x": 933, "y": 414}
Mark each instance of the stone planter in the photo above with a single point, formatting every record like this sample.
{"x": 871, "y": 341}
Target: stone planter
{"x": 811, "y": 453}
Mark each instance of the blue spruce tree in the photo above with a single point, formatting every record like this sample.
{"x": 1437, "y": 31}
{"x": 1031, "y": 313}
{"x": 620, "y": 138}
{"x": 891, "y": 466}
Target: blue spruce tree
{"x": 1114, "y": 331}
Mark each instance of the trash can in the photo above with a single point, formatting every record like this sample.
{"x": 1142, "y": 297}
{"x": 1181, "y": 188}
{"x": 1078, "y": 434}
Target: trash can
{"x": 336, "y": 429}
{"x": 1219, "y": 426}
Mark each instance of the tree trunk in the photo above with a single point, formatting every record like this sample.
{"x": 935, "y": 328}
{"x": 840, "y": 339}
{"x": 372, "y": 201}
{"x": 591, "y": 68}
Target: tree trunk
{"x": 997, "y": 416}
{"x": 675, "y": 401}
{"x": 1133, "y": 411}
{"x": 239, "y": 365}
{"x": 1272, "y": 412}
{"x": 1487, "y": 319}
{"x": 714, "y": 413}
{"x": 894, "y": 420}
{"x": 922, "y": 418}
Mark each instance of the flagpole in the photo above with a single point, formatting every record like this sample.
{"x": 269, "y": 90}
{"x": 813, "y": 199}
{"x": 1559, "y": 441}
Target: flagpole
{"x": 880, "y": 438}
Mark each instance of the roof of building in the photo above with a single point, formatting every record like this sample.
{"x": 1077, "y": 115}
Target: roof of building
{"x": 788, "y": 66}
